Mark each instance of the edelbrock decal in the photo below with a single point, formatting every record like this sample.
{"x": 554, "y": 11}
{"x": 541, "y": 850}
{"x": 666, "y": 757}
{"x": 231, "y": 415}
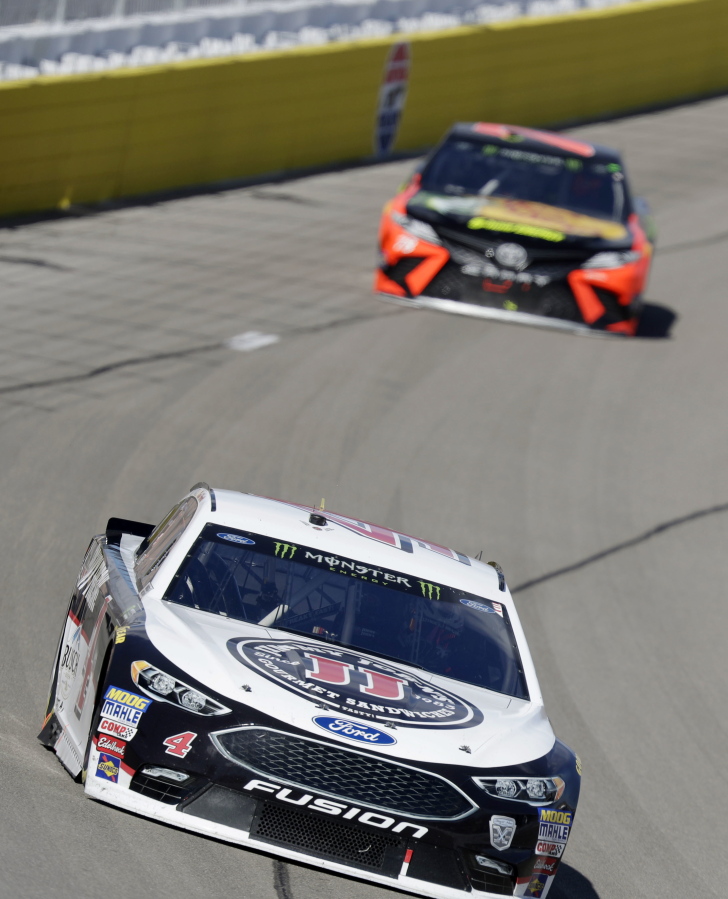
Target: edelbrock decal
{"x": 111, "y": 744}
{"x": 236, "y": 538}
{"x": 354, "y": 683}
{"x": 353, "y": 730}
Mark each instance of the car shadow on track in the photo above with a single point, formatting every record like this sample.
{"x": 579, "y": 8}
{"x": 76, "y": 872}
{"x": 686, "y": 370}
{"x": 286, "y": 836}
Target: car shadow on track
{"x": 656, "y": 321}
{"x": 570, "y": 884}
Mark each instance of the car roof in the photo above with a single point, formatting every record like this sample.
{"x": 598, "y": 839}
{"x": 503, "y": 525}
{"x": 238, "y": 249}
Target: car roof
{"x": 535, "y": 140}
{"x": 356, "y": 539}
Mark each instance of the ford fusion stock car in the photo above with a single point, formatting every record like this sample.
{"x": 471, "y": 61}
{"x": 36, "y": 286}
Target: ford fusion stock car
{"x": 321, "y": 688}
{"x": 526, "y": 225}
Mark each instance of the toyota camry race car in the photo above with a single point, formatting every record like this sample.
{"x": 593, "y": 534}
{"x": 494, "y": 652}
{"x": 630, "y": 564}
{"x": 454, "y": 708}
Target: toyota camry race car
{"x": 530, "y": 226}
{"x": 314, "y": 686}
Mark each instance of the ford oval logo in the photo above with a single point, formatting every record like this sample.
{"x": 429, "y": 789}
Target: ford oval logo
{"x": 353, "y": 730}
{"x": 236, "y": 538}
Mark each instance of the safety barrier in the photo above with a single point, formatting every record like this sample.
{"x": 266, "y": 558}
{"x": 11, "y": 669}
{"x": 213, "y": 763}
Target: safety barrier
{"x": 86, "y": 139}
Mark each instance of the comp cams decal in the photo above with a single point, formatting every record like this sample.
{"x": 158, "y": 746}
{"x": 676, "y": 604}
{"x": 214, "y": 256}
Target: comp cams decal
{"x": 354, "y": 683}
{"x": 116, "y": 729}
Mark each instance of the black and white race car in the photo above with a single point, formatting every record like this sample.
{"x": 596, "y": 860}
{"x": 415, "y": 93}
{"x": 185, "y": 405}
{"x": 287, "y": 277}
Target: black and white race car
{"x": 315, "y": 686}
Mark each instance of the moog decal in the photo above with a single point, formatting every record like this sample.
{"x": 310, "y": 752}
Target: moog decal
{"x": 124, "y": 707}
{"x": 353, "y": 730}
{"x": 354, "y": 684}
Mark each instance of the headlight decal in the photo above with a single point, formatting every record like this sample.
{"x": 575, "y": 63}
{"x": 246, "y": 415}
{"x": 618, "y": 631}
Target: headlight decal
{"x": 165, "y": 688}
{"x": 533, "y": 790}
{"x": 417, "y": 228}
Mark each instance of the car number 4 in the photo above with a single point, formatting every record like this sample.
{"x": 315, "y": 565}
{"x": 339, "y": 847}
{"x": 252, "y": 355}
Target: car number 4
{"x": 179, "y": 744}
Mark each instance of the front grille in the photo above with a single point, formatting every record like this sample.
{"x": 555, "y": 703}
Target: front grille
{"x": 478, "y": 242}
{"x": 557, "y": 301}
{"x": 492, "y": 882}
{"x": 353, "y": 776}
{"x": 162, "y": 790}
{"x": 613, "y": 310}
{"x": 399, "y": 271}
{"x": 447, "y": 283}
{"x": 326, "y": 838}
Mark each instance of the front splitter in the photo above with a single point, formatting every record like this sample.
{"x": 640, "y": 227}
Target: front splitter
{"x": 457, "y": 307}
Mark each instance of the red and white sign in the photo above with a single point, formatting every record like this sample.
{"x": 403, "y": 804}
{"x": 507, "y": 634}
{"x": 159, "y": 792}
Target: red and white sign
{"x": 392, "y": 96}
{"x": 545, "y": 866}
{"x": 111, "y": 744}
{"x": 116, "y": 729}
{"x": 556, "y": 850}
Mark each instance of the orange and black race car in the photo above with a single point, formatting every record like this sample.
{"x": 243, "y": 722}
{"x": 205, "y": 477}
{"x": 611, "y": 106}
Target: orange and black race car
{"x": 508, "y": 222}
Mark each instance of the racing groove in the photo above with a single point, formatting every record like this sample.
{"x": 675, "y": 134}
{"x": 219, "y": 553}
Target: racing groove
{"x": 595, "y": 471}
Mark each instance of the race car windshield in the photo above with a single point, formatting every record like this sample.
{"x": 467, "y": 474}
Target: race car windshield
{"x": 470, "y": 167}
{"x": 253, "y": 578}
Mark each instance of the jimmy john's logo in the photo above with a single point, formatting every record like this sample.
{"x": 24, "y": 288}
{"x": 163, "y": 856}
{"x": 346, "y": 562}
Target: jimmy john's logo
{"x": 354, "y": 684}
{"x": 330, "y": 807}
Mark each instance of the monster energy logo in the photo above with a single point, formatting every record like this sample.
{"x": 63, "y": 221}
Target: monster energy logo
{"x": 429, "y": 591}
{"x": 285, "y": 550}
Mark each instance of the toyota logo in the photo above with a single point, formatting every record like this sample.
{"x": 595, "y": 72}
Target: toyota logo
{"x": 511, "y": 255}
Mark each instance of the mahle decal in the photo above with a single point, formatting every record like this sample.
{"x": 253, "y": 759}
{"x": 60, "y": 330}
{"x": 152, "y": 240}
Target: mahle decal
{"x": 429, "y": 591}
{"x": 285, "y": 550}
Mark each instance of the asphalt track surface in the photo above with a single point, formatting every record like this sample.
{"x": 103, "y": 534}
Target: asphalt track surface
{"x": 595, "y": 471}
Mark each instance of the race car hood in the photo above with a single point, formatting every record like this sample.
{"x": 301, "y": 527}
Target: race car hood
{"x": 415, "y": 715}
{"x": 497, "y": 217}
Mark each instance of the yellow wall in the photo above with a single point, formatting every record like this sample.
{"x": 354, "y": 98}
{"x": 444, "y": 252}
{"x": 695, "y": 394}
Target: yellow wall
{"x": 88, "y": 138}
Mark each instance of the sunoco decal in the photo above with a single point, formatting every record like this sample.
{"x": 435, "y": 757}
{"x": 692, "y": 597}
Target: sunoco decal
{"x": 107, "y": 767}
{"x": 392, "y": 96}
{"x": 353, "y": 730}
{"x": 354, "y": 683}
